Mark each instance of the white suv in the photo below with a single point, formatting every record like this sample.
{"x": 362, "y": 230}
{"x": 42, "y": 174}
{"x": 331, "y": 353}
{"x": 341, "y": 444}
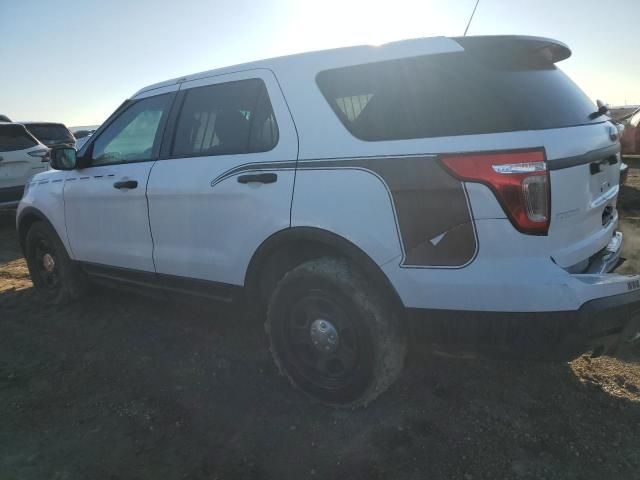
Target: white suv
{"x": 465, "y": 185}
{"x": 21, "y": 156}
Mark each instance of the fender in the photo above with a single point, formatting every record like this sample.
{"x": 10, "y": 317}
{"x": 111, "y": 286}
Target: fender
{"x": 26, "y": 218}
{"x": 333, "y": 242}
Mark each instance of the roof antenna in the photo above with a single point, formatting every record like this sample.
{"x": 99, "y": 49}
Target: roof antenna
{"x": 471, "y": 18}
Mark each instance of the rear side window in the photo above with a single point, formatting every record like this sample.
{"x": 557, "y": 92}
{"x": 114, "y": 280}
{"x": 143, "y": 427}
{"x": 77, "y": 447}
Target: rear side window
{"x": 452, "y": 94}
{"x": 15, "y": 137}
{"x": 50, "y": 132}
{"x": 224, "y": 119}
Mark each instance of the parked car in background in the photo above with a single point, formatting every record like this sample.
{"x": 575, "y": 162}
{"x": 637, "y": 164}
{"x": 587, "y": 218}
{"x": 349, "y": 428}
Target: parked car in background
{"x": 82, "y": 133}
{"x": 630, "y": 138}
{"x": 51, "y": 134}
{"x": 21, "y": 156}
{"x": 4, "y": 118}
{"x": 82, "y": 136}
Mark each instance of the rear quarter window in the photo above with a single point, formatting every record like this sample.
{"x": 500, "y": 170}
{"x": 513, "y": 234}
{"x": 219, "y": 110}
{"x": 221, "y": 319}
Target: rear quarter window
{"x": 451, "y": 94}
{"x": 15, "y": 137}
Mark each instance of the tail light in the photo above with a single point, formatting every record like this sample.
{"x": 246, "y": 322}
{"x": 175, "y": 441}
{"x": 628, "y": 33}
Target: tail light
{"x": 43, "y": 153}
{"x": 519, "y": 180}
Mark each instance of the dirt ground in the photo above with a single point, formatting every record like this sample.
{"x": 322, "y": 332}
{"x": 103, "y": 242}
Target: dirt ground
{"x": 124, "y": 387}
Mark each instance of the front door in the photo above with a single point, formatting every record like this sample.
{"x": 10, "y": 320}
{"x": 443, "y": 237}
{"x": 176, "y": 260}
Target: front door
{"x": 227, "y": 180}
{"x": 105, "y": 203}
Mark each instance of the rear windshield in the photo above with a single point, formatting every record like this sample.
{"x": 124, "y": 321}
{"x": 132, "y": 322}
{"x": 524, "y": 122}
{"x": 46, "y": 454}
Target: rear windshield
{"x": 50, "y": 133}
{"x": 452, "y": 94}
{"x": 15, "y": 137}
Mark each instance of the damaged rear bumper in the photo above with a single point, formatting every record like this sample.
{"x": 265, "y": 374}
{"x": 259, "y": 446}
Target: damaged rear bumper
{"x": 600, "y": 326}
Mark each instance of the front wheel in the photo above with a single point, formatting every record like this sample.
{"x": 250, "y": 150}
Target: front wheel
{"x": 333, "y": 334}
{"x": 51, "y": 269}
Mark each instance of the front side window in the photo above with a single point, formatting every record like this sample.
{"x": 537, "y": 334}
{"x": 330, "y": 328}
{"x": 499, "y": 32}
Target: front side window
{"x": 225, "y": 119}
{"x": 15, "y": 137}
{"x": 132, "y": 136}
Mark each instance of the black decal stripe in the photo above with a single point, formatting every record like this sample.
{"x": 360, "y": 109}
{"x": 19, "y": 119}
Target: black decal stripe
{"x": 427, "y": 203}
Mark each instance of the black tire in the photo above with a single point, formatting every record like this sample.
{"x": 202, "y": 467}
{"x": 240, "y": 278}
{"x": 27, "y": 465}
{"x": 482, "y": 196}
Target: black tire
{"x": 60, "y": 282}
{"x": 368, "y": 348}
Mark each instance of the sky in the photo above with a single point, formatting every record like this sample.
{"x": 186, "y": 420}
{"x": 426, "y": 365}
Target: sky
{"x": 75, "y": 61}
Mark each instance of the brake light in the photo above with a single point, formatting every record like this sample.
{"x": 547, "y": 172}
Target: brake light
{"x": 519, "y": 180}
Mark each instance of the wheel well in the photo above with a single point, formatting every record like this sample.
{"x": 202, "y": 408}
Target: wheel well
{"x": 24, "y": 224}
{"x": 287, "y": 249}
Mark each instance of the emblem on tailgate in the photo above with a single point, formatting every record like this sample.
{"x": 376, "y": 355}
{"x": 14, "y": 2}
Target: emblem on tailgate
{"x": 633, "y": 285}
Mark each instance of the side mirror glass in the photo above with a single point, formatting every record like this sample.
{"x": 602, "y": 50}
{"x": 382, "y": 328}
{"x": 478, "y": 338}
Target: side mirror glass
{"x": 63, "y": 158}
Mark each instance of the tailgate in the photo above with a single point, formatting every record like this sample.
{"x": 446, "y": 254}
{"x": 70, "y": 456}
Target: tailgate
{"x": 584, "y": 170}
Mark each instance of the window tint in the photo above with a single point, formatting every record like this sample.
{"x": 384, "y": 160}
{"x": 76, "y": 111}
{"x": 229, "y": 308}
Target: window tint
{"x": 49, "y": 133}
{"x": 224, "y": 119}
{"x": 15, "y": 137}
{"x": 452, "y": 94}
{"x": 132, "y": 136}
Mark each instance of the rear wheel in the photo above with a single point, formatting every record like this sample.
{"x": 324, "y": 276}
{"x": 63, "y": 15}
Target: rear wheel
{"x": 51, "y": 269}
{"x": 333, "y": 335}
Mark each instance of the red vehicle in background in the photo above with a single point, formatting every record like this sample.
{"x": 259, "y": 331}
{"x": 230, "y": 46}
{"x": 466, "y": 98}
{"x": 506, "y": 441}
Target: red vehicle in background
{"x": 630, "y": 139}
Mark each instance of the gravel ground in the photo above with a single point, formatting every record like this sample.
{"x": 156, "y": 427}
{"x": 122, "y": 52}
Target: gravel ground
{"x": 123, "y": 387}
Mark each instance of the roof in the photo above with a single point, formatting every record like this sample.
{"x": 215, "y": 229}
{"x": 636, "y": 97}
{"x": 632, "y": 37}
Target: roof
{"x": 32, "y": 122}
{"x": 337, "y": 57}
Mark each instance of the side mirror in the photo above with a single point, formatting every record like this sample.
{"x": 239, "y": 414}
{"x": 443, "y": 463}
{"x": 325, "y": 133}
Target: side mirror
{"x": 63, "y": 158}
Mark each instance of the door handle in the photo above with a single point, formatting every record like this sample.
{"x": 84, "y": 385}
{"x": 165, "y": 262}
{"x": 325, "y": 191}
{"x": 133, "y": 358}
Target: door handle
{"x": 126, "y": 184}
{"x": 258, "y": 178}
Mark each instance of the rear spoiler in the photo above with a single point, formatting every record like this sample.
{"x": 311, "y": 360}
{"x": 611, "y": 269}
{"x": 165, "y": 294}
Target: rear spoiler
{"x": 542, "y": 49}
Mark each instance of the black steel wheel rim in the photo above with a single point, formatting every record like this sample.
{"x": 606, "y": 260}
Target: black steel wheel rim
{"x": 329, "y": 369}
{"x": 44, "y": 254}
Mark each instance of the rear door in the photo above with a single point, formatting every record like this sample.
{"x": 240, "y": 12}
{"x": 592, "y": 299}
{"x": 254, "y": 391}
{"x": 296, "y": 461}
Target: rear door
{"x": 18, "y": 160}
{"x": 105, "y": 203}
{"x": 225, "y": 181}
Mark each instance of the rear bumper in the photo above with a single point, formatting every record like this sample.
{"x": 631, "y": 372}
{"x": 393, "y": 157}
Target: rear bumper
{"x": 11, "y": 195}
{"x": 607, "y": 259}
{"x": 600, "y": 326}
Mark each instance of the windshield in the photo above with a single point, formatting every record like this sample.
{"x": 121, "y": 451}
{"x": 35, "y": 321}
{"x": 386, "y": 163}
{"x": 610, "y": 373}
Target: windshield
{"x": 49, "y": 133}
